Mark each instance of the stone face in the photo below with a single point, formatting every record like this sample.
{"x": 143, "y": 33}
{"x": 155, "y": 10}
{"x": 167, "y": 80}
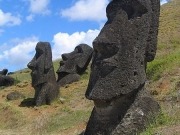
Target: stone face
{"x": 73, "y": 64}
{"x": 43, "y": 76}
{"x": 4, "y": 72}
{"x": 125, "y": 44}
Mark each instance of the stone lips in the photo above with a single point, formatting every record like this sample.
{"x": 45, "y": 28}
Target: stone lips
{"x": 43, "y": 76}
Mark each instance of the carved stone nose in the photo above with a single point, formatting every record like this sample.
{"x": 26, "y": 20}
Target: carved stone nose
{"x": 64, "y": 56}
{"x": 30, "y": 65}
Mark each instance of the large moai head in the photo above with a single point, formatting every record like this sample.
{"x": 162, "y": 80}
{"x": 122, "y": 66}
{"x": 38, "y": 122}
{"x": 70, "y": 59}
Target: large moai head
{"x": 43, "y": 76}
{"x": 125, "y": 44}
{"x": 73, "y": 64}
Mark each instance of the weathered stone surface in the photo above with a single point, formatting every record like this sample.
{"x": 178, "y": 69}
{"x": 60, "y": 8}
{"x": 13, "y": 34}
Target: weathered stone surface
{"x": 6, "y": 80}
{"x": 4, "y": 72}
{"x": 43, "y": 76}
{"x": 74, "y": 64}
{"x": 125, "y": 44}
{"x": 15, "y": 95}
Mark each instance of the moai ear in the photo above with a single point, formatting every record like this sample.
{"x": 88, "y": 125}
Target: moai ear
{"x": 154, "y": 24}
{"x": 48, "y": 57}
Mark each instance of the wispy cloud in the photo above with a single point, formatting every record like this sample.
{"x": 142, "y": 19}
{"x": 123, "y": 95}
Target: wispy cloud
{"x": 7, "y": 19}
{"x": 93, "y": 10}
{"x": 164, "y": 1}
{"x": 38, "y": 7}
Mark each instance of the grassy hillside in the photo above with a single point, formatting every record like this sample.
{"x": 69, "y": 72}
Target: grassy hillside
{"x": 69, "y": 114}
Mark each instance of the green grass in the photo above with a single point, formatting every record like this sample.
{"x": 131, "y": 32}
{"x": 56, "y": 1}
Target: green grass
{"x": 10, "y": 117}
{"x": 67, "y": 120}
{"x": 162, "y": 120}
{"x": 162, "y": 65}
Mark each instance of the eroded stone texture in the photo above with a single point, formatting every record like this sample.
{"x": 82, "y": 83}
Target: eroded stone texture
{"x": 73, "y": 64}
{"x": 43, "y": 76}
{"x": 4, "y": 72}
{"x": 125, "y": 44}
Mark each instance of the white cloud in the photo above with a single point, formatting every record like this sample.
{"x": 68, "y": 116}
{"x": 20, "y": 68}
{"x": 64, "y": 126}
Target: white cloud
{"x": 18, "y": 55}
{"x": 164, "y": 2}
{"x": 30, "y": 18}
{"x": 64, "y": 43}
{"x": 7, "y": 19}
{"x": 39, "y": 6}
{"x": 93, "y": 10}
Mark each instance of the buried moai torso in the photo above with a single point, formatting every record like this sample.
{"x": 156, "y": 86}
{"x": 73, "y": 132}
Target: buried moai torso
{"x": 43, "y": 76}
{"x": 73, "y": 64}
{"x": 121, "y": 51}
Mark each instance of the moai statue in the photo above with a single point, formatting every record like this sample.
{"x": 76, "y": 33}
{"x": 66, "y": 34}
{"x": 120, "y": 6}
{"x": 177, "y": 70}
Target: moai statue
{"x": 125, "y": 44}
{"x": 43, "y": 76}
{"x": 73, "y": 64}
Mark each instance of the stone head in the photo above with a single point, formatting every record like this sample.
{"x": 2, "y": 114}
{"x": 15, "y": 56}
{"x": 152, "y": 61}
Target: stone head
{"x": 76, "y": 61}
{"x": 119, "y": 60}
{"x": 41, "y": 63}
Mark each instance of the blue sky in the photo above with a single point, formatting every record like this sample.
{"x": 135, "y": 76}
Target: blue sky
{"x": 63, "y": 23}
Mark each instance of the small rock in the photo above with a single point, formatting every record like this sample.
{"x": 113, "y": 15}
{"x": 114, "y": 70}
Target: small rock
{"x": 62, "y": 100}
{"x": 15, "y": 95}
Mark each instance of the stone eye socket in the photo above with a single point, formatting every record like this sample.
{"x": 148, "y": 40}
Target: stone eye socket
{"x": 39, "y": 52}
{"x": 78, "y": 49}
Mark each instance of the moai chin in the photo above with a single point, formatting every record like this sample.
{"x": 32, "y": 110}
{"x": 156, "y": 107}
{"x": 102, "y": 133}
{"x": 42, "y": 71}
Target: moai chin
{"x": 125, "y": 44}
{"x": 73, "y": 64}
{"x": 43, "y": 76}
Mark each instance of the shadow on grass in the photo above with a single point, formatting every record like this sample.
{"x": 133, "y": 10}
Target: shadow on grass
{"x": 28, "y": 102}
